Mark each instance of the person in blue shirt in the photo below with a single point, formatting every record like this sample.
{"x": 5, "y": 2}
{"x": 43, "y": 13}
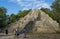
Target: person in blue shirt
{"x": 24, "y": 31}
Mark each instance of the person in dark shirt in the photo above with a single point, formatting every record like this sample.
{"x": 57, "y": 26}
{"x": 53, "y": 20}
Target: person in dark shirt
{"x": 17, "y": 31}
{"x": 0, "y": 30}
{"x": 6, "y": 31}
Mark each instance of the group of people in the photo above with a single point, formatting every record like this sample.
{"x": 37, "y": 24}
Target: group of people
{"x": 17, "y": 32}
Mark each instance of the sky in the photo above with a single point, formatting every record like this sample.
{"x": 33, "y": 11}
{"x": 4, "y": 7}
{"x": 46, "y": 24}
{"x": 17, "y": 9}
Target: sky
{"x": 13, "y": 6}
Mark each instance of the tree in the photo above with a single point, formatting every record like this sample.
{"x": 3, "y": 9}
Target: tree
{"x": 23, "y": 13}
{"x": 49, "y": 12}
{"x": 3, "y": 16}
{"x": 56, "y": 9}
{"x": 12, "y": 18}
{"x": 56, "y": 6}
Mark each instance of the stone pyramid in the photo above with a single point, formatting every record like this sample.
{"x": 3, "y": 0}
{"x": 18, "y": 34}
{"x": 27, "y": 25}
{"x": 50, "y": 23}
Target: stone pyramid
{"x": 36, "y": 21}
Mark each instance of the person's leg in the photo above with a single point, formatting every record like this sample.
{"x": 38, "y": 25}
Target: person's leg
{"x": 6, "y": 32}
{"x": 24, "y": 35}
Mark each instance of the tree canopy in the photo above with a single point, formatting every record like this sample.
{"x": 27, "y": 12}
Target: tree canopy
{"x": 56, "y": 6}
{"x": 7, "y": 19}
{"x": 3, "y": 16}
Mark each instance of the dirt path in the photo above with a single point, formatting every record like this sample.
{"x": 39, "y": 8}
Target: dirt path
{"x": 42, "y": 36}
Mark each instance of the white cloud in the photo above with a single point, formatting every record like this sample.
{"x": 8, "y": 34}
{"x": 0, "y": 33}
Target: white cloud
{"x": 45, "y": 5}
{"x": 32, "y": 4}
{"x": 18, "y": 0}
